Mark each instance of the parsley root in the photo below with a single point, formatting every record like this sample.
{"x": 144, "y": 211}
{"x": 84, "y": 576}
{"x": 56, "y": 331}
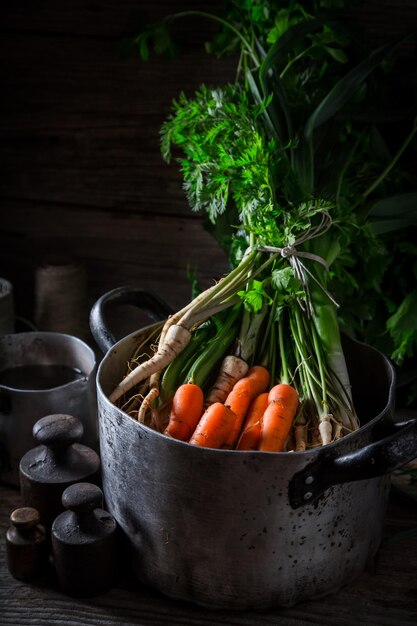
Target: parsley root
{"x": 232, "y": 369}
{"x": 176, "y": 338}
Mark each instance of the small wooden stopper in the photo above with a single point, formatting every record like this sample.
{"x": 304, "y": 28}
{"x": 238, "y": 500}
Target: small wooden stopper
{"x": 26, "y": 544}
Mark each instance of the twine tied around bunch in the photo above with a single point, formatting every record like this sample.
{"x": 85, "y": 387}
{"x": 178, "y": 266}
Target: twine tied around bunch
{"x": 294, "y": 256}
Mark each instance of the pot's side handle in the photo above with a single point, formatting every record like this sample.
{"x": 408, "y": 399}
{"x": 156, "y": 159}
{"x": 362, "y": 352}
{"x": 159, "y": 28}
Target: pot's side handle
{"x": 156, "y": 309}
{"x": 375, "y": 459}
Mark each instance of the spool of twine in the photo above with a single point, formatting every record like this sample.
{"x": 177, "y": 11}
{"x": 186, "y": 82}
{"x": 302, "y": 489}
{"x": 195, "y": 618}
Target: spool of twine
{"x": 61, "y": 303}
{"x": 6, "y": 307}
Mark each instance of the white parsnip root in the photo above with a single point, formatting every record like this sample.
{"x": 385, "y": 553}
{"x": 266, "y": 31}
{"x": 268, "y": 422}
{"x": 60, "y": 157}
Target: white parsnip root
{"x": 147, "y": 403}
{"x": 232, "y": 369}
{"x": 325, "y": 428}
{"x": 175, "y": 340}
{"x": 300, "y": 434}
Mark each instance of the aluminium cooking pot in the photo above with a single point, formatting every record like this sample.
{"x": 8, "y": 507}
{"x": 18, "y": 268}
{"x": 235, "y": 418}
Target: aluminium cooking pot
{"x": 245, "y": 530}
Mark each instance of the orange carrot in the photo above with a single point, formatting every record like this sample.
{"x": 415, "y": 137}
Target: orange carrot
{"x": 278, "y": 417}
{"x": 249, "y": 439}
{"x": 213, "y": 427}
{"x": 239, "y": 399}
{"x": 187, "y": 407}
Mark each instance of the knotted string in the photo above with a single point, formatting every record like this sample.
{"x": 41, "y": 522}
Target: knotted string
{"x": 294, "y": 256}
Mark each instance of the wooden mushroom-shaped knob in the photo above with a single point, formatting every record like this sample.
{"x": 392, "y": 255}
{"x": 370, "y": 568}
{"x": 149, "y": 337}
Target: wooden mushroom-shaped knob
{"x": 84, "y": 542}
{"x": 57, "y": 462}
{"x": 26, "y": 545}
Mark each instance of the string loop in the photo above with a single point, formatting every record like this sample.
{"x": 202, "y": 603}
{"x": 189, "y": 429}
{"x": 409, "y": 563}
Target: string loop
{"x": 294, "y": 256}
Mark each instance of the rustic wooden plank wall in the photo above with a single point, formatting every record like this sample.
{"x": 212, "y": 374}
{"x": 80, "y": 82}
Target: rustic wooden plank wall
{"x": 81, "y": 171}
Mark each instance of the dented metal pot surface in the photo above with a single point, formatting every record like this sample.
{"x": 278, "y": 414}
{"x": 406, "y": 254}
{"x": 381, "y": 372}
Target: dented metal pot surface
{"x": 237, "y": 529}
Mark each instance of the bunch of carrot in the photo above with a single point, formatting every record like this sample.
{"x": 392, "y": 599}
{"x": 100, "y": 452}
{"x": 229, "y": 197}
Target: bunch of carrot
{"x": 249, "y": 418}
{"x": 223, "y": 376}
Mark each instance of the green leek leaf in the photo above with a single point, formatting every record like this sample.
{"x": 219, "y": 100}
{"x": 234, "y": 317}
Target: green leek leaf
{"x": 258, "y": 98}
{"x": 381, "y": 227}
{"x": 403, "y": 327}
{"x": 401, "y": 205}
{"x": 345, "y": 89}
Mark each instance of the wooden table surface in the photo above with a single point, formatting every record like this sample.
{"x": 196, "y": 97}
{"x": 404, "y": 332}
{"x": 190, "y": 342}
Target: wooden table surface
{"x": 385, "y": 594}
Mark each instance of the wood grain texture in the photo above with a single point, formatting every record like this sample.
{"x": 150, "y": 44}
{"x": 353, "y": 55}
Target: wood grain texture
{"x": 152, "y": 251}
{"x": 81, "y": 168}
{"x": 385, "y": 594}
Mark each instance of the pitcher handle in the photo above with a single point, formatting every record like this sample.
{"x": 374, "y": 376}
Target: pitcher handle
{"x": 154, "y": 307}
{"x": 376, "y": 459}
